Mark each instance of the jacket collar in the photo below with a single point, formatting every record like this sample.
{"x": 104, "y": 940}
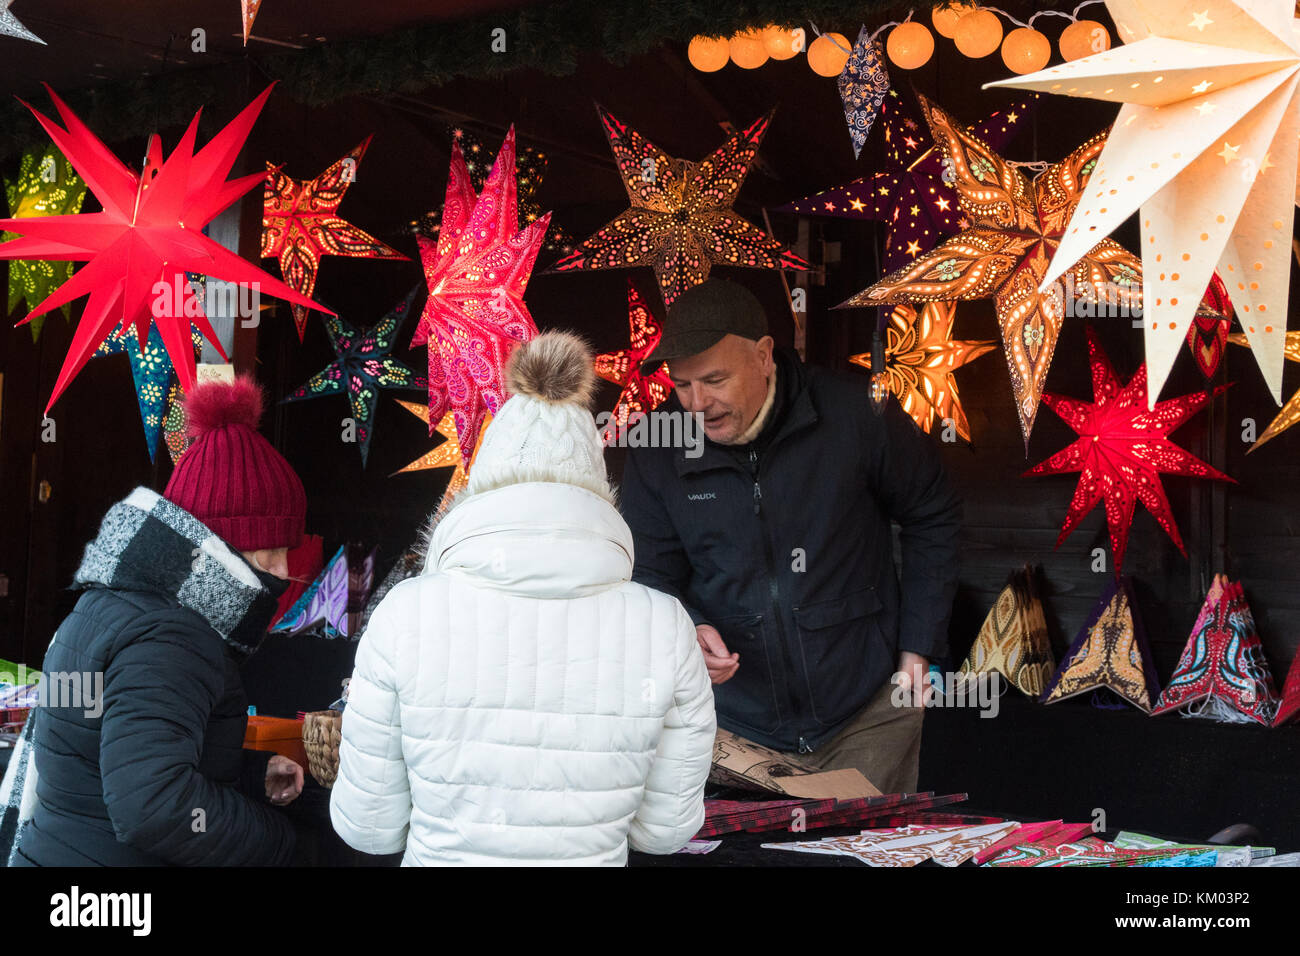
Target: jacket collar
{"x": 147, "y": 543}
{"x": 795, "y": 411}
{"x": 538, "y": 539}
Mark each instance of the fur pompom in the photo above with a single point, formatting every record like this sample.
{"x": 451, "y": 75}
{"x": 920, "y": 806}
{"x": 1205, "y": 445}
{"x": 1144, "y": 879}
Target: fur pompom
{"x": 214, "y": 405}
{"x": 555, "y": 367}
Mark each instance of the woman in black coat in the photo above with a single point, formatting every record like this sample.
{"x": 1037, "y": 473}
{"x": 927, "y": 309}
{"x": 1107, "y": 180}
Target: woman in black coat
{"x": 138, "y": 744}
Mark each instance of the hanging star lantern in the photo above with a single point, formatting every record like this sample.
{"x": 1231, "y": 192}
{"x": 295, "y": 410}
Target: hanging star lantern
{"x": 10, "y": 27}
{"x": 364, "y": 365}
{"x": 1015, "y": 226}
{"x": 863, "y": 85}
{"x": 1205, "y": 146}
{"x": 920, "y": 359}
{"x": 153, "y": 374}
{"x": 446, "y": 455}
{"x": 300, "y": 223}
{"x": 248, "y": 13}
{"x": 1208, "y": 335}
{"x": 46, "y": 186}
{"x": 681, "y": 222}
{"x": 641, "y": 392}
{"x": 1122, "y": 449}
{"x": 148, "y": 235}
{"x": 477, "y": 272}
{"x": 1290, "y": 413}
{"x": 530, "y": 167}
{"x": 914, "y": 177}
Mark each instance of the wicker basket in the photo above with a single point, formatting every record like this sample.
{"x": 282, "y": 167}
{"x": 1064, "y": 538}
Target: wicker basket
{"x": 321, "y": 732}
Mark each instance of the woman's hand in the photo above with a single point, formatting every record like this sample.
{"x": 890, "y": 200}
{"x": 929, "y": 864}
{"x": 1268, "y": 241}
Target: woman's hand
{"x": 283, "y": 780}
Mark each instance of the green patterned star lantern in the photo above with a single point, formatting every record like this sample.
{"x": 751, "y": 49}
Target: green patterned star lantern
{"x": 46, "y": 186}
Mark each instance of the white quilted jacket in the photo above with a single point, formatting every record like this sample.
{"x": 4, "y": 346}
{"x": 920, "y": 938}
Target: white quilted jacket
{"x": 522, "y": 701}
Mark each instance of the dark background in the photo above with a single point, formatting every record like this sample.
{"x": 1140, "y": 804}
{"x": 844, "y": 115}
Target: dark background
{"x": 1247, "y": 529}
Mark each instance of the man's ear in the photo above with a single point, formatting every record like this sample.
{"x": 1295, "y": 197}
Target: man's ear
{"x": 764, "y": 348}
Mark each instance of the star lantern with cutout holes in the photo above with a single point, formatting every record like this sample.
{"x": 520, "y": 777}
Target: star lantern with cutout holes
{"x": 641, "y": 393}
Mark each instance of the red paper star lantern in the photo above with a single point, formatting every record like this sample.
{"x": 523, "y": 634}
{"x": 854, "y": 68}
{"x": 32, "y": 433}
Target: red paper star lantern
{"x": 641, "y": 393}
{"x": 477, "y": 272}
{"x": 148, "y": 234}
{"x": 681, "y": 222}
{"x": 1122, "y": 450}
{"x": 300, "y": 223}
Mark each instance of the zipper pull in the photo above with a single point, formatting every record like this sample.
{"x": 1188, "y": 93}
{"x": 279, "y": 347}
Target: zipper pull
{"x": 803, "y": 746}
{"x": 758, "y": 498}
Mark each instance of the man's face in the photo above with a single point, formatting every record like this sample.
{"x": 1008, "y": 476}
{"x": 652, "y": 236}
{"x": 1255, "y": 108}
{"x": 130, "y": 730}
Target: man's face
{"x": 726, "y": 384}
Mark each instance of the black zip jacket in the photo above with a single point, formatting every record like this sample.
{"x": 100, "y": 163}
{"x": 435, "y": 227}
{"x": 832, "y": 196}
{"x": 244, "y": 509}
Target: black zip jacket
{"x": 785, "y": 546}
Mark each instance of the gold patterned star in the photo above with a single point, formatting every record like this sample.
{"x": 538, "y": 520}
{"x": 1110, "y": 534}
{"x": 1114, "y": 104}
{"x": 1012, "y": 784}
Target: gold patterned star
{"x": 920, "y": 359}
{"x": 1201, "y": 20}
{"x": 1229, "y": 153}
{"x": 1012, "y": 117}
{"x": 1290, "y": 413}
{"x": 916, "y": 210}
{"x": 913, "y": 248}
{"x": 857, "y": 205}
{"x": 942, "y": 203}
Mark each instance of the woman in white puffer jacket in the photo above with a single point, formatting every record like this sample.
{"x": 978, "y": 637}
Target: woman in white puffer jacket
{"x": 522, "y": 701}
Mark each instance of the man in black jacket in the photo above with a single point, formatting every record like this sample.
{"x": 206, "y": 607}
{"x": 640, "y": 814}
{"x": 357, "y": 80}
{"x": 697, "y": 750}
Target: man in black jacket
{"x": 776, "y": 537}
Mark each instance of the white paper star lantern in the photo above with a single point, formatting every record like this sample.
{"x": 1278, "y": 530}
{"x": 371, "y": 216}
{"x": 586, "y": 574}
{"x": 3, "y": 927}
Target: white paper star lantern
{"x": 9, "y": 25}
{"x": 1205, "y": 146}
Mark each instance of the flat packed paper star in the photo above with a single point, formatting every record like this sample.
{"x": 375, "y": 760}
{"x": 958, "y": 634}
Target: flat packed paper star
{"x": 153, "y": 374}
{"x": 477, "y": 272}
{"x": 149, "y": 233}
{"x": 920, "y": 359}
{"x": 1003, "y": 255}
{"x": 1122, "y": 449}
{"x": 1205, "y": 146}
{"x": 1290, "y": 413}
{"x": 364, "y": 365}
{"x": 863, "y": 85}
{"x": 641, "y": 393}
{"x": 46, "y": 186}
{"x": 10, "y": 27}
{"x": 530, "y": 167}
{"x": 681, "y": 222}
{"x": 248, "y": 13}
{"x": 913, "y": 177}
{"x": 300, "y": 223}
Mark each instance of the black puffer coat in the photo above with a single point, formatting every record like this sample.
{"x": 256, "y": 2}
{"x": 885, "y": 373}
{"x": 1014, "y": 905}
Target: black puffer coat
{"x": 152, "y": 771}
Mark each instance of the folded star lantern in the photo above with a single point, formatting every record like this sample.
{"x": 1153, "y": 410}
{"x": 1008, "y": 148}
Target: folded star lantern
{"x": 1208, "y": 335}
{"x": 477, "y": 272}
{"x": 46, "y": 186}
{"x": 913, "y": 193}
{"x": 1122, "y": 449}
{"x": 334, "y": 600}
{"x": 1223, "y": 674}
{"x": 1015, "y": 226}
{"x": 1290, "y": 413}
{"x": 1205, "y": 146}
{"x": 446, "y": 455}
{"x": 153, "y": 374}
{"x": 364, "y": 364}
{"x": 1110, "y": 653}
{"x": 863, "y": 85}
{"x": 1290, "y": 705}
{"x": 641, "y": 393}
{"x": 681, "y": 222}
{"x": 1013, "y": 641}
{"x": 148, "y": 235}
{"x": 248, "y": 13}
{"x": 920, "y": 359}
{"x": 300, "y": 223}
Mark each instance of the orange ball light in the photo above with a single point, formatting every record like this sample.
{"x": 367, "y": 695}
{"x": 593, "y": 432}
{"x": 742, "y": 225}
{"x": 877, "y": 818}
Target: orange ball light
{"x": 748, "y": 50}
{"x": 910, "y": 45}
{"x": 708, "y": 54}
{"x": 781, "y": 43}
{"x": 1026, "y": 51}
{"x": 945, "y": 19}
{"x": 978, "y": 33}
{"x": 825, "y": 57}
{"x": 1084, "y": 38}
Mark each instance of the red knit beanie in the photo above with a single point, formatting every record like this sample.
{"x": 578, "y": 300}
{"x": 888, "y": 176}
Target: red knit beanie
{"x": 231, "y": 478}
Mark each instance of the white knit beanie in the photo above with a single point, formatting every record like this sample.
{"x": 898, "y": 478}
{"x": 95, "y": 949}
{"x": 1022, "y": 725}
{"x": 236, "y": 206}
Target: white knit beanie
{"x": 545, "y": 431}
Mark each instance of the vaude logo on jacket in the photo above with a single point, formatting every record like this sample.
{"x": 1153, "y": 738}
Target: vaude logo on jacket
{"x": 703, "y": 496}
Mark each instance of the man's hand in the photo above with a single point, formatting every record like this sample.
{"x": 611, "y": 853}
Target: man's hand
{"x": 722, "y": 664}
{"x": 914, "y": 669}
{"x": 283, "y": 780}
